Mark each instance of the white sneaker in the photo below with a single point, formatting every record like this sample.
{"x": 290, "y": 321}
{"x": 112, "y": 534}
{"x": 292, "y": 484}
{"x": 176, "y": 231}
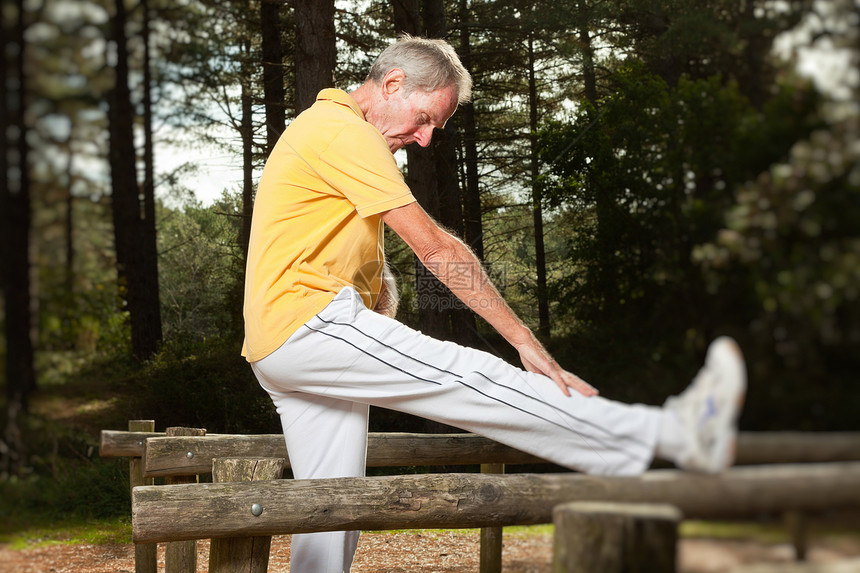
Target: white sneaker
{"x": 709, "y": 408}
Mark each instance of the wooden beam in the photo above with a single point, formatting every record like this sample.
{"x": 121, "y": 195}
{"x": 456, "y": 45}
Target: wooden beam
{"x": 753, "y": 448}
{"x": 756, "y": 448}
{"x": 190, "y": 456}
{"x": 450, "y": 501}
{"x": 181, "y": 456}
{"x": 117, "y": 444}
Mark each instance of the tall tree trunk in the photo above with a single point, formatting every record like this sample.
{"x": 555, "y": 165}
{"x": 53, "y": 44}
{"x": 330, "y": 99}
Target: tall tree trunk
{"x": 15, "y": 214}
{"x": 589, "y": 77}
{"x": 407, "y": 17}
{"x": 137, "y": 283}
{"x": 273, "y": 72}
{"x": 537, "y": 208}
{"x": 247, "y": 132}
{"x": 432, "y": 295}
{"x": 69, "y": 222}
{"x": 472, "y": 220}
{"x": 150, "y": 287}
{"x": 462, "y": 325}
{"x": 5, "y": 121}
{"x": 316, "y": 50}
{"x": 423, "y": 177}
{"x": 754, "y": 51}
{"x": 432, "y": 176}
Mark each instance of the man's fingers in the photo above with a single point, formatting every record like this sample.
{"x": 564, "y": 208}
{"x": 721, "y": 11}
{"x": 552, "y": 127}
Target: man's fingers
{"x": 580, "y": 386}
{"x": 564, "y": 380}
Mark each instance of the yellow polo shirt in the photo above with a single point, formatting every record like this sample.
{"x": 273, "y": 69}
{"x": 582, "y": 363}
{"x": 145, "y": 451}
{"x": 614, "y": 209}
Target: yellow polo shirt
{"x": 316, "y": 225}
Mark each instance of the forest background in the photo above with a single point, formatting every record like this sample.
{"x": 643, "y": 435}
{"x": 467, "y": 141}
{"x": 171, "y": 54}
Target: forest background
{"x": 639, "y": 176}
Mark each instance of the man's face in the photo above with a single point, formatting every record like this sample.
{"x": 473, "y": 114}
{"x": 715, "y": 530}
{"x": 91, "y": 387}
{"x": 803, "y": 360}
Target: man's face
{"x": 412, "y": 119}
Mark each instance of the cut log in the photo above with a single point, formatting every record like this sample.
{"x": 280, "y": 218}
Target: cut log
{"x": 604, "y": 537}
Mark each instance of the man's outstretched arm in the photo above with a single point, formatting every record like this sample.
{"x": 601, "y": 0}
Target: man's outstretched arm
{"x": 454, "y": 264}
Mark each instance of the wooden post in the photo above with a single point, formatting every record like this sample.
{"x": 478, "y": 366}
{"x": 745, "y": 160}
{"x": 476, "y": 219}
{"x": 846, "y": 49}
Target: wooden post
{"x": 145, "y": 554}
{"x": 601, "y": 537}
{"x": 491, "y": 537}
{"x": 795, "y": 522}
{"x": 249, "y": 554}
{"x": 181, "y": 556}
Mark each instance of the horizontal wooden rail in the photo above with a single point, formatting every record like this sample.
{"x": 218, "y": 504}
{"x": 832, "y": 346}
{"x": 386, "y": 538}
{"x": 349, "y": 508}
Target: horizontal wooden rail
{"x": 172, "y": 456}
{"x": 194, "y": 455}
{"x": 450, "y": 501}
{"x": 118, "y": 444}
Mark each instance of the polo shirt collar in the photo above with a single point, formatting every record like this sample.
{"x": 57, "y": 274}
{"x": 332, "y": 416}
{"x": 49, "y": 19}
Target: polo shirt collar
{"x": 342, "y": 98}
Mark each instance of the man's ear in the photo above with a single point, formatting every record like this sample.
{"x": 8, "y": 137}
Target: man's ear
{"x": 393, "y": 82}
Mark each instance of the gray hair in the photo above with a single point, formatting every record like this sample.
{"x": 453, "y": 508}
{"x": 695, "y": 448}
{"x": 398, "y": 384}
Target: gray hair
{"x": 429, "y": 65}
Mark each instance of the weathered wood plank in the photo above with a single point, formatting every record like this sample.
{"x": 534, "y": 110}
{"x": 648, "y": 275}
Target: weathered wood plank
{"x": 182, "y": 456}
{"x": 451, "y": 501}
{"x": 120, "y": 444}
{"x": 756, "y": 448}
{"x": 189, "y": 456}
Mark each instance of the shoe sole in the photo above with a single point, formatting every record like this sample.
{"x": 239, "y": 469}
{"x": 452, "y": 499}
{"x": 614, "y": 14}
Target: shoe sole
{"x": 729, "y": 358}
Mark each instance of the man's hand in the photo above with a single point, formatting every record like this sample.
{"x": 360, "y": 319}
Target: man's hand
{"x": 536, "y": 359}
{"x": 456, "y": 267}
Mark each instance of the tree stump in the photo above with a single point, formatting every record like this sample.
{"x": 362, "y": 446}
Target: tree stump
{"x": 181, "y": 556}
{"x": 598, "y": 537}
{"x": 249, "y": 554}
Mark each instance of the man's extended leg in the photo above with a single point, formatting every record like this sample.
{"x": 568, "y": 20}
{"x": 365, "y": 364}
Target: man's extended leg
{"x": 350, "y": 353}
{"x": 325, "y": 437}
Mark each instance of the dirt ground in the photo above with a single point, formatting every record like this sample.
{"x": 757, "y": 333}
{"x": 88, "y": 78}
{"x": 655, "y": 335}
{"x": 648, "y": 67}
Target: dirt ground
{"x": 452, "y": 552}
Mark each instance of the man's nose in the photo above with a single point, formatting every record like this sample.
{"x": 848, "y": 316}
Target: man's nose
{"x": 424, "y": 135}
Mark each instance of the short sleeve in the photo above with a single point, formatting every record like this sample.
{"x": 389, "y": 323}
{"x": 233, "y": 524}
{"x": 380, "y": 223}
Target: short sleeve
{"x": 359, "y": 164}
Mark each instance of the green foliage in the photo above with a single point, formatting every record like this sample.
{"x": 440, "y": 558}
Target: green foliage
{"x": 794, "y": 236}
{"x": 201, "y": 273}
{"x": 79, "y": 308}
{"x": 93, "y": 489}
{"x": 65, "y": 479}
{"x": 210, "y": 386}
{"x": 639, "y": 182}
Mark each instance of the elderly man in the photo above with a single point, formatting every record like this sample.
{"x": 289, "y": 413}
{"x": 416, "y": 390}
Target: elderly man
{"x": 319, "y": 311}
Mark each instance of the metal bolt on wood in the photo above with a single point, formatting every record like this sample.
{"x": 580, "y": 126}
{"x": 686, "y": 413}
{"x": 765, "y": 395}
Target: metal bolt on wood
{"x": 256, "y": 510}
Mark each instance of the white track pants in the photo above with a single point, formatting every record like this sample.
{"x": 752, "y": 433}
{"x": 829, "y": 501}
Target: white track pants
{"x": 325, "y": 377}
